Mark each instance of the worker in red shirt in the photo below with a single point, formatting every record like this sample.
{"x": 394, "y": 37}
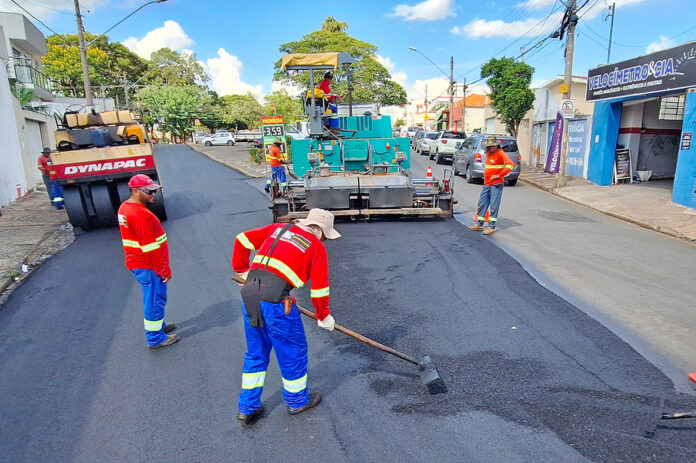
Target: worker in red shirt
{"x": 277, "y": 160}
{"x": 55, "y": 191}
{"x": 325, "y": 86}
{"x": 498, "y": 165}
{"x": 147, "y": 257}
{"x": 287, "y": 256}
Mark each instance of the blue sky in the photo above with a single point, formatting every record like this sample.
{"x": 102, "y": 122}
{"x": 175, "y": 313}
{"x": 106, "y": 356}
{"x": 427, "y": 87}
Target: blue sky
{"x": 238, "y": 40}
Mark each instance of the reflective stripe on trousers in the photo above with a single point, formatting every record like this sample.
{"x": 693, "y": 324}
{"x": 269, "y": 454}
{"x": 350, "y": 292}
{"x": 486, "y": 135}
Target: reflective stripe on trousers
{"x": 154, "y": 299}
{"x": 285, "y": 334}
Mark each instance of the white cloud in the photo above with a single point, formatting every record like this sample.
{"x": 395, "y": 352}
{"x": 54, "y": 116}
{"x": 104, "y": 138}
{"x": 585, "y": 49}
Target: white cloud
{"x": 170, "y": 35}
{"x": 292, "y": 89}
{"x": 46, "y": 9}
{"x": 535, "y": 4}
{"x": 663, "y": 44}
{"x": 398, "y": 77}
{"x": 479, "y": 28}
{"x": 226, "y": 76}
{"x": 427, "y": 10}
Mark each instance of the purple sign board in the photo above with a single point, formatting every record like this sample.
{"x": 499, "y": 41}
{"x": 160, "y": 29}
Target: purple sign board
{"x": 553, "y": 160}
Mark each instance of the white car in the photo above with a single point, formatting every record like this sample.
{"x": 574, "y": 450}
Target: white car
{"x": 219, "y": 138}
{"x": 443, "y": 147}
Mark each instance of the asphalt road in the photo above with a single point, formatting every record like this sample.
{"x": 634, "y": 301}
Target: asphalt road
{"x": 636, "y": 282}
{"x": 531, "y": 377}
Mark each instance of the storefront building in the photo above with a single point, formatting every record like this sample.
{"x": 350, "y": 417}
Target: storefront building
{"x": 645, "y": 108}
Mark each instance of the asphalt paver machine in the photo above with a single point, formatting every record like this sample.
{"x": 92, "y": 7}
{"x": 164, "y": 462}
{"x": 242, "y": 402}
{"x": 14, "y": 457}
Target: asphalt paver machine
{"x": 351, "y": 163}
{"x": 97, "y": 153}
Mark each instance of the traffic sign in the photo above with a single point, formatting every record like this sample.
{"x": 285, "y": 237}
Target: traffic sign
{"x": 568, "y": 109}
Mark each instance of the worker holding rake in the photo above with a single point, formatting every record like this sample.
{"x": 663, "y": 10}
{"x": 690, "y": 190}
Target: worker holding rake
{"x": 287, "y": 257}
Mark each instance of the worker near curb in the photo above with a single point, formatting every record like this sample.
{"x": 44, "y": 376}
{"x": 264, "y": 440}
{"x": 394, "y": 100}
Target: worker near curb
{"x": 498, "y": 165}
{"x": 277, "y": 161}
{"x": 147, "y": 257}
{"x": 43, "y": 164}
{"x": 287, "y": 256}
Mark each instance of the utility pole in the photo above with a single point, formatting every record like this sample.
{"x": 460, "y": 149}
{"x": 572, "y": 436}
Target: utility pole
{"x": 451, "y": 94}
{"x": 570, "y": 21}
{"x": 522, "y": 52}
{"x": 83, "y": 55}
{"x": 612, "y": 8}
{"x": 125, "y": 88}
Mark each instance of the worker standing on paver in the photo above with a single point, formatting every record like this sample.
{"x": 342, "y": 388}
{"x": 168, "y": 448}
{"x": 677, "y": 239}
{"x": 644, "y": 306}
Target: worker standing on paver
{"x": 287, "y": 256}
{"x": 277, "y": 161}
{"x": 498, "y": 165}
{"x": 147, "y": 257}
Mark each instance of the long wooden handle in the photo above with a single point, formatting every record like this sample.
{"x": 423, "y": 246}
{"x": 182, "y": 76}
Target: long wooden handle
{"x": 364, "y": 339}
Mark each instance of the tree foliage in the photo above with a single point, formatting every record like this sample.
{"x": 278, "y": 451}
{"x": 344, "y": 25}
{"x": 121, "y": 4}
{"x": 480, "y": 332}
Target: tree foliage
{"x": 240, "y": 111}
{"x": 371, "y": 80}
{"x": 173, "y": 68}
{"x": 289, "y": 107}
{"x": 511, "y": 96}
{"x": 173, "y": 108}
{"x": 107, "y": 64}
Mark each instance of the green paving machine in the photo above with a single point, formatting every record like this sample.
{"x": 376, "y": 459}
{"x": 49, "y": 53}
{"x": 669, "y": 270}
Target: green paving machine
{"x": 351, "y": 164}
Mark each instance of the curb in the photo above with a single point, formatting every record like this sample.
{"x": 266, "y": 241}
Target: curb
{"x": 640, "y": 223}
{"x": 225, "y": 163}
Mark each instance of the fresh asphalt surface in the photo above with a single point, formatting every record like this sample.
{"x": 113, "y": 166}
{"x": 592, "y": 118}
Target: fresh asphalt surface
{"x": 531, "y": 378}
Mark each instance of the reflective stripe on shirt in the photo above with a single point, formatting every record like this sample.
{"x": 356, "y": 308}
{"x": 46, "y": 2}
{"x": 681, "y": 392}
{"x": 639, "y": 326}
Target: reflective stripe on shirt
{"x": 245, "y": 241}
{"x": 281, "y": 267}
{"x": 322, "y": 292}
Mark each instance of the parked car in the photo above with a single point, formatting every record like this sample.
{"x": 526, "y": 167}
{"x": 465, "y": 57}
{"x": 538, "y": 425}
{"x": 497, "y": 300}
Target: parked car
{"x": 219, "y": 138}
{"x": 409, "y": 132}
{"x": 417, "y": 138}
{"x": 444, "y": 146}
{"x": 247, "y": 135}
{"x": 257, "y": 142}
{"x": 198, "y": 136}
{"x": 470, "y": 157}
{"x": 424, "y": 143}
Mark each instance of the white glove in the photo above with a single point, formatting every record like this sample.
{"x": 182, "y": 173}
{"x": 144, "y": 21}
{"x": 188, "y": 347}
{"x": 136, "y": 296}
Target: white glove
{"x": 327, "y": 323}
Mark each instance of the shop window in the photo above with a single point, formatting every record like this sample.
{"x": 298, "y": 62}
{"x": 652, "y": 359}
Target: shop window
{"x": 672, "y": 108}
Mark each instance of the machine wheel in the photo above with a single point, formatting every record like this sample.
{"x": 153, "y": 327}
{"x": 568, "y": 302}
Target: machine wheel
{"x": 467, "y": 175}
{"x": 157, "y": 207}
{"x": 106, "y": 215}
{"x": 230, "y": 143}
{"x": 512, "y": 182}
{"x": 438, "y": 159}
{"x": 75, "y": 207}
{"x": 208, "y": 143}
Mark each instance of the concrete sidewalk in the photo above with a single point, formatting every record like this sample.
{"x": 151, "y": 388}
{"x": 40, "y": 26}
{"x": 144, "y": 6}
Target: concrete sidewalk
{"x": 648, "y": 204}
{"x": 31, "y": 231}
{"x": 237, "y": 157}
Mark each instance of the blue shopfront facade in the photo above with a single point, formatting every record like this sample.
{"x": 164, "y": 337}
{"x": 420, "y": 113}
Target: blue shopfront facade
{"x": 648, "y": 106}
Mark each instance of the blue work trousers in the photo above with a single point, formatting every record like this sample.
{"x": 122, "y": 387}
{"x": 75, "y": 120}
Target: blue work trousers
{"x": 489, "y": 199}
{"x": 278, "y": 173}
{"x": 49, "y": 186}
{"x": 286, "y": 335}
{"x": 57, "y": 193}
{"x": 154, "y": 300}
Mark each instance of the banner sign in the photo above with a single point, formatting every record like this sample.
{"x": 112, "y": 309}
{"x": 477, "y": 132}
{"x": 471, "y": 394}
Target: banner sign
{"x": 663, "y": 70}
{"x": 553, "y": 160}
{"x": 273, "y": 127}
{"x": 577, "y": 143}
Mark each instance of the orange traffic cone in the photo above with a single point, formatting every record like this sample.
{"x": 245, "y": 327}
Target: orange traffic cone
{"x": 429, "y": 174}
{"x": 485, "y": 217}
{"x": 692, "y": 376}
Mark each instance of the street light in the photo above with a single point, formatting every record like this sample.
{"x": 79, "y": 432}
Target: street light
{"x": 451, "y": 82}
{"x": 83, "y": 45}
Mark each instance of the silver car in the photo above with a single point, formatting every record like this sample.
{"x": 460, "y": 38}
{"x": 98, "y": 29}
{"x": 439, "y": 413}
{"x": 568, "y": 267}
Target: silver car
{"x": 470, "y": 157}
{"x": 424, "y": 143}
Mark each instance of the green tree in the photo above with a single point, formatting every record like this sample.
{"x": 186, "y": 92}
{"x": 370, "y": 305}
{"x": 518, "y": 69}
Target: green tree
{"x": 174, "y": 108}
{"x": 108, "y": 62}
{"x": 174, "y": 68}
{"x": 240, "y": 111}
{"x": 399, "y": 123}
{"x": 371, "y": 80}
{"x": 511, "y": 96}
{"x": 289, "y": 107}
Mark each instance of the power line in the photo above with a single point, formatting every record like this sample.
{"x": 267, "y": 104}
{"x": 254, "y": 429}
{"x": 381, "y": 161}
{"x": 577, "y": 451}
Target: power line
{"x": 48, "y": 8}
{"x": 35, "y": 18}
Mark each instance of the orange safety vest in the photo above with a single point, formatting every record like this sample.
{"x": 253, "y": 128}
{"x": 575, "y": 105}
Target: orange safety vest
{"x": 497, "y": 163}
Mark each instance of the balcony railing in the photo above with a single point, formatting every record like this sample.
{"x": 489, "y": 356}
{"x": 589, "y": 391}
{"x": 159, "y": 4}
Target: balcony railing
{"x": 22, "y": 70}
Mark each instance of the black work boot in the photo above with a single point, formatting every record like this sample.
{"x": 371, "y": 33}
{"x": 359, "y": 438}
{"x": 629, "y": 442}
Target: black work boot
{"x": 314, "y": 400}
{"x": 251, "y": 417}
